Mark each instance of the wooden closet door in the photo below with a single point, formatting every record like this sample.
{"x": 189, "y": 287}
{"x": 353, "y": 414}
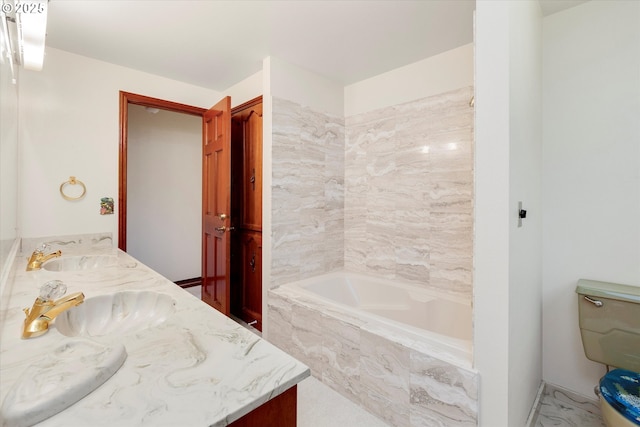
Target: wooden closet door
{"x": 247, "y": 206}
{"x": 252, "y": 168}
{"x": 251, "y": 309}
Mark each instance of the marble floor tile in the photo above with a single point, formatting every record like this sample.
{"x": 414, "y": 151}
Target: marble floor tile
{"x": 558, "y": 408}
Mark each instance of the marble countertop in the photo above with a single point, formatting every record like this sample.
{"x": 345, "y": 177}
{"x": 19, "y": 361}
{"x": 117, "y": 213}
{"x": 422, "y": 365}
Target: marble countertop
{"x": 198, "y": 368}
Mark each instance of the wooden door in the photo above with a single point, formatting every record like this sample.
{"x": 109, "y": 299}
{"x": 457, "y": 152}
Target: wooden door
{"x": 251, "y": 120}
{"x": 251, "y": 280}
{"x": 246, "y": 122}
{"x": 216, "y": 205}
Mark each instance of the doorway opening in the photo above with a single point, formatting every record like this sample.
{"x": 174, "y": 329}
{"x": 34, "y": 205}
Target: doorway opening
{"x": 126, "y": 99}
{"x": 243, "y": 288}
{"x": 159, "y": 188}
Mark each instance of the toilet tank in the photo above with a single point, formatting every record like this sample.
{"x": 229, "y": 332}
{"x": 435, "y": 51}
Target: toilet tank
{"x": 609, "y": 317}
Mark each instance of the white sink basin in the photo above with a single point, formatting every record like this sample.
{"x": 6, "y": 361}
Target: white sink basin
{"x": 116, "y": 314}
{"x": 75, "y": 263}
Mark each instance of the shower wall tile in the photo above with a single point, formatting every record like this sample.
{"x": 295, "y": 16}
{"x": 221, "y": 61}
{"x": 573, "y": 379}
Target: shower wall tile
{"x": 307, "y": 192}
{"x": 388, "y": 192}
{"x": 408, "y": 185}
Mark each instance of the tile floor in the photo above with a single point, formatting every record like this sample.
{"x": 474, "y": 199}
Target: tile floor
{"x": 561, "y": 408}
{"x": 320, "y": 406}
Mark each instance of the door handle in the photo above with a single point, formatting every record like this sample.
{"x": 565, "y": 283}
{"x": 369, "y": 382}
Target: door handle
{"x": 222, "y": 216}
{"x": 223, "y": 229}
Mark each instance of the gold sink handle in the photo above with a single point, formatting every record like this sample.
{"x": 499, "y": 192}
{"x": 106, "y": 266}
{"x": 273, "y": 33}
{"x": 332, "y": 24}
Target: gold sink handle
{"x": 45, "y": 309}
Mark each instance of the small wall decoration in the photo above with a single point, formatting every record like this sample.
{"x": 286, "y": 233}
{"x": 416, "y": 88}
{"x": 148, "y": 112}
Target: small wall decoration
{"x": 106, "y": 206}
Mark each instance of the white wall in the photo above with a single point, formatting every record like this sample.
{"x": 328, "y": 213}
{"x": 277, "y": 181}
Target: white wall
{"x": 267, "y": 181}
{"x": 447, "y": 71}
{"x": 491, "y": 244}
{"x": 8, "y": 151}
{"x": 246, "y": 90}
{"x": 9, "y": 165}
{"x": 507, "y": 303}
{"x": 68, "y": 121}
{"x": 293, "y": 83}
{"x": 164, "y": 191}
{"x": 591, "y": 171}
{"x": 525, "y": 243}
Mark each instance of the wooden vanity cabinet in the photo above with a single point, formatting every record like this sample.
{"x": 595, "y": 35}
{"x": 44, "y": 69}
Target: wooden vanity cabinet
{"x": 246, "y": 208}
{"x": 281, "y": 411}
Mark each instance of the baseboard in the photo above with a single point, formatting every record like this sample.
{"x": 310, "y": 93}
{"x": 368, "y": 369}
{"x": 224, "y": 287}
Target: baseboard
{"x": 535, "y": 409}
{"x": 188, "y": 283}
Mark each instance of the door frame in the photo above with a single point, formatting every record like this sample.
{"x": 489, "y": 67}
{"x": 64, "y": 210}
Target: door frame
{"x": 127, "y": 98}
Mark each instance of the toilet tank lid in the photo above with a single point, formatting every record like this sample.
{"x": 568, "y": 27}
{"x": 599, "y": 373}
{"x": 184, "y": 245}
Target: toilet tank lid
{"x": 608, "y": 290}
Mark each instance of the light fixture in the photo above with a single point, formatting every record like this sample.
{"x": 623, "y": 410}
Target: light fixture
{"x": 5, "y": 46}
{"x": 32, "y": 24}
{"x": 26, "y": 24}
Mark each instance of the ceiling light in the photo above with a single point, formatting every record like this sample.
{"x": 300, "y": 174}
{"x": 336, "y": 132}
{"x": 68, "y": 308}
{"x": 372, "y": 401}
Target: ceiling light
{"x": 32, "y": 24}
{"x": 5, "y": 46}
{"x": 25, "y": 24}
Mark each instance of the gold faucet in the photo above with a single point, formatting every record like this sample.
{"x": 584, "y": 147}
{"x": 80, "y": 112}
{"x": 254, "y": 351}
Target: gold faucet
{"x": 38, "y": 258}
{"x": 45, "y": 309}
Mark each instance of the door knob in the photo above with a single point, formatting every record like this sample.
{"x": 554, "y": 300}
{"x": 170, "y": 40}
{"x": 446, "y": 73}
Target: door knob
{"x": 222, "y": 216}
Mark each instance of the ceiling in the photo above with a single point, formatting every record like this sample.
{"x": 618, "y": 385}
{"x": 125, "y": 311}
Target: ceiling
{"x": 215, "y": 44}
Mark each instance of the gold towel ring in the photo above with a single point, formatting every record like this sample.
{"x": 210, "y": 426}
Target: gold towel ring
{"x": 73, "y": 181}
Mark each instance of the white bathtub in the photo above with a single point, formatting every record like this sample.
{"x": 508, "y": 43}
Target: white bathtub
{"x": 406, "y": 304}
{"x": 441, "y": 320}
{"x": 396, "y": 349}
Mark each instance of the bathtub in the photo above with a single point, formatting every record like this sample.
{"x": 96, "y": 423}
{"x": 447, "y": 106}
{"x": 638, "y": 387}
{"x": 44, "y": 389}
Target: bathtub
{"x": 400, "y": 350}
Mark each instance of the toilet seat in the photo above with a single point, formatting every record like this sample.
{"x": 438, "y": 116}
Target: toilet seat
{"x": 621, "y": 389}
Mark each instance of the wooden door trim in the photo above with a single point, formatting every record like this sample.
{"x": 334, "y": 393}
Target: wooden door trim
{"x": 127, "y": 98}
{"x": 250, "y": 103}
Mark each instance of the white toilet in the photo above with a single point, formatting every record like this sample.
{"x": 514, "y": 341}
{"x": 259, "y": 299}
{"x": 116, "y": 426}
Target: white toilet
{"x": 610, "y": 329}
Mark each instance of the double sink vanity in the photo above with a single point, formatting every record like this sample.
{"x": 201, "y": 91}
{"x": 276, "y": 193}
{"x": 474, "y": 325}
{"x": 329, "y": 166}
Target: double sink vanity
{"x": 136, "y": 350}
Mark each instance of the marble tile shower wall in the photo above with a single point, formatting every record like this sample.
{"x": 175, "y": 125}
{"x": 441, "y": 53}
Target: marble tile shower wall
{"x": 409, "y": 192}
{"x": 307, "y": 192}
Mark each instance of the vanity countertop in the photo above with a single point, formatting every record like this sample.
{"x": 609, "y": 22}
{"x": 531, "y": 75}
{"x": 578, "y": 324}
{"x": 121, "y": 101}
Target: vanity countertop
{"x": 198, "y": 368}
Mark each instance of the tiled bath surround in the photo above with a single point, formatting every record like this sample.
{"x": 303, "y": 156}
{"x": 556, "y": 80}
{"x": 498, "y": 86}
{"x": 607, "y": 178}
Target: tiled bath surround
{"x": 409, "y": 192}
{"x": 307, "y": 192}
{"x": 387, "y": 193}
{"x": 397, "y": 377}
